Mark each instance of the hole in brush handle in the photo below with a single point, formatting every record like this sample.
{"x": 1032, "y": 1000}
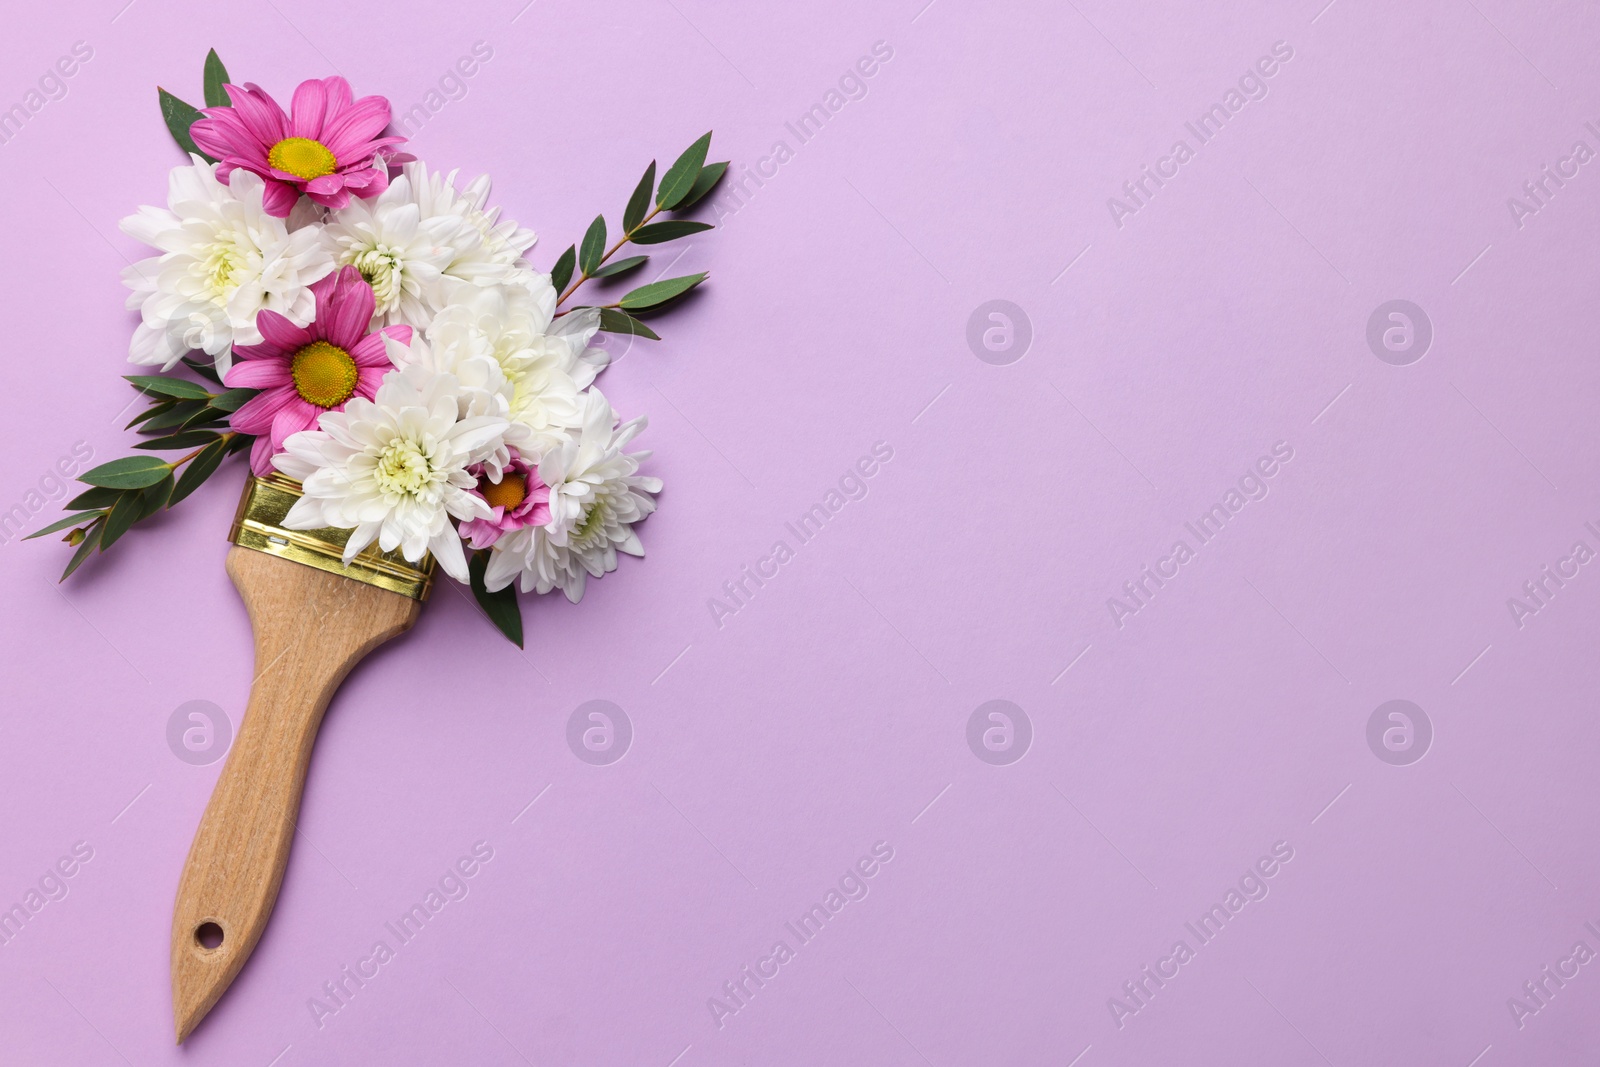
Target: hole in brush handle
{"x": 209, "y": 936}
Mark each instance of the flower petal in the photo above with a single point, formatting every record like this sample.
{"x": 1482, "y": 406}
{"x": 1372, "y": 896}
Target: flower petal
{"x": 339, "y": 95}
{"x": 278, "y": 198}
{"x": 337, "y": 201}
{"x": 260, "y": 113}
{"x": 375, "y": 185}
{"x": 502, "y": 570}
{"x": 256, "y": 414}
{"x": 261, "y": 457}
{"x": 327, "y": 185}
{"x": 369, "y": 379}
{"x": 446, "y": 546}
{"x": 294, "y": 416}
{"x": 372, "y": 350}
{"x": 348, "y": 133}
{"x": 213, "y": 137}
{"x": 309, "y": 109}
{"x": 347, "y": 311}
{"x": 279, "y": 333}
{"x": 257, "y": 374}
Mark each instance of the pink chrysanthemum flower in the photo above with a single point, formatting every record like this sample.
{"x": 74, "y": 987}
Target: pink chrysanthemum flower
{"x": 517, "y": 500}
{"x": 326, "y": 147}
{"x": 303, "y": 372}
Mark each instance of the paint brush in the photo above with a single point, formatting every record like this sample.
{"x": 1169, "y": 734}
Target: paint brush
{"x": 314, "y": 618}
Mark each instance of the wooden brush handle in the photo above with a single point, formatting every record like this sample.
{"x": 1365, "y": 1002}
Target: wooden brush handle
{"x": 311, "y": 627}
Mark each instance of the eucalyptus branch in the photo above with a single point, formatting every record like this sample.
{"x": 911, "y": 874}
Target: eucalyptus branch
{"x": 182, "y": 416}
{"x": 624, "y": 239}
{"x": 688, "y": 180}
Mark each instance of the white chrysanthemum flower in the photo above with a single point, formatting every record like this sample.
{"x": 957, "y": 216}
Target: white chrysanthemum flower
{"x": 545, "y": 361}
{"x": 223, "y": 260}
{"x": 482, "y": 390}
{"x": 596, "y": 495}
{"x": 401, "y": 253}
{"x": 496, "y": 259}
{"x": 394, "y": 469}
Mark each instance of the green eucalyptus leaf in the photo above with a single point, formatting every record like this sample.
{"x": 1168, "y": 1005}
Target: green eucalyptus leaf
{"x": 174, "y": 416}
{"x": 94, "y": 498}
{"x": 200, "y": 468}
{"x": 681, "y": 176}
{"x": 233, "y": 399}
{"x": 216, "y": 78}
{"x": 179, "y": 117}
{"x": 185, "y": 439}
{"x": 86, "y": 546}
{"x": 62, "y": 524}
{"x": 647, "y": 296}
{"x": 205, "y": 370}
{"x": 124, "y": 513}
{"x": 206, "y": 418}
{"x": 594, "y": 246}
{"x": 151, "y": 500}
{"x": 710, "y": 175}
{"x": 501, "y": 607}
{"x": 660, "y": 232}
{"x": 160, "y": 385}
{"x": 129, "y": 472}
{"x": 621, "y": 266}
{"x": 639, "y": 202}
{"x": 149, "y": 413}
{"x": 561, "y": 273}
{"x": 614, "y": 321}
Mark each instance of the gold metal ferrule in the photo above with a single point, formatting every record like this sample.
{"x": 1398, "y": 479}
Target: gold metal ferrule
{"x": 259, "y": 525}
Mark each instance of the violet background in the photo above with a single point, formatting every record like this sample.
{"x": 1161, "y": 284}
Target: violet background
{"x": 830, "y": 713}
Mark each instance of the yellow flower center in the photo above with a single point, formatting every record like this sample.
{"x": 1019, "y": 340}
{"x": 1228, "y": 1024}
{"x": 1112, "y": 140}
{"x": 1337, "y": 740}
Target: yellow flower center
{"x": 507, "y": 493}
{"x": 593, "y": 521}
{"x": 222, "y": 267}
{"x": 302, "y": 157}
{"x": 384, "y": 270}
{"x": 403, "y": 469}
{"x": 323, "y": 374}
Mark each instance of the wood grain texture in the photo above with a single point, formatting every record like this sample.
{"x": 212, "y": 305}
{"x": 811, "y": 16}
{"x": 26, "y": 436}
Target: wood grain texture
{"x": 310, "y": 628}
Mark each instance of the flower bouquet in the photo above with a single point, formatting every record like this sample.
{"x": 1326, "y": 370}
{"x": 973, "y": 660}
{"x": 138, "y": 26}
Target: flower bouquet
{"x": 411, "y": 392}
{"x": 359, "y": 324}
